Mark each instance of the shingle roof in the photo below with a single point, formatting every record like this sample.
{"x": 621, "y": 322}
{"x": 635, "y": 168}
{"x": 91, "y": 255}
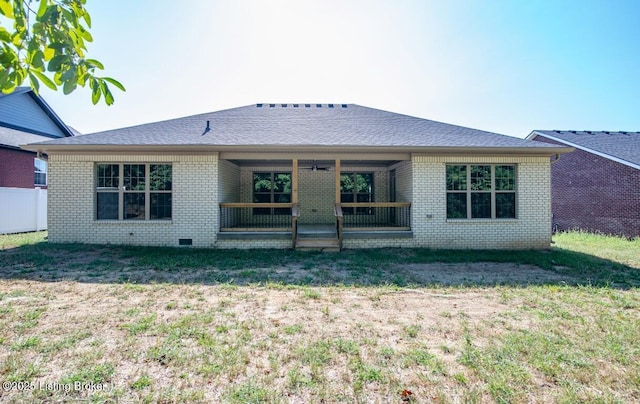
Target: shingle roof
{"x": 301, "y": 125}
{"x": 619, "y": 145}
{"x": 14, "y": 138}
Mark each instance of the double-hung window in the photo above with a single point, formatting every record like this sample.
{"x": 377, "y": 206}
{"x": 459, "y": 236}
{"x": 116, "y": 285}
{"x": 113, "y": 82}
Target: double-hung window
{"x": 133, "y": 191}
{"x": 272, "y": 187}
{"x": 486, "y": 191}
{"x": 39, "y": 172}
{"x": 357, "y": 187}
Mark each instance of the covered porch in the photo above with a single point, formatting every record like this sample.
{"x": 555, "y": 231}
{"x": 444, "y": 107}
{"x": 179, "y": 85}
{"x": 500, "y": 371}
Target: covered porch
{"x": 314, "y": 202}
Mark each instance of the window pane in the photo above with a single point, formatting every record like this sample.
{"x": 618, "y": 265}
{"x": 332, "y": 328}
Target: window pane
{"x": 133, "y": 206}
{"x": 364, "y": 183}
{"x": 262, "y": 198}
{"x": 481, "y": 178}
{"x": 364, "y": 198}
{"x": 456, "y": 178}
{"x": 346, "y": 198}
{"x": 282, "y": 182}
{"x": 107, "y": 206}
{"x": 39, "y": 178}
{"x": 505, "y": 178}
{"x": 261, "y": 182}
{"x": 160, "y": 206}
{"x": 134, "y": 177}
{"x": 282, "y": 198}
{"x": 480, "y": 205}
{"x": 346, "y": 183}
{"x": 456, "y": 206}
{"x": 108, "y": 176}
{"x": 160, "y": 177}
{"x": 506, "y": 205}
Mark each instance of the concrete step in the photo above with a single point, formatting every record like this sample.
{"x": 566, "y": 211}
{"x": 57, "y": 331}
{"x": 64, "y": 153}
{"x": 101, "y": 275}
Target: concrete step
{"x": 318, "y": 244}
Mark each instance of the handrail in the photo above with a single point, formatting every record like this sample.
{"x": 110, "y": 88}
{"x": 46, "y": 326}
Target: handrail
{"x": 295, "y": 214}
{"x": 376, "y": 204}
{"x": 254, "y": 205}
{"x": 337, "y": 211}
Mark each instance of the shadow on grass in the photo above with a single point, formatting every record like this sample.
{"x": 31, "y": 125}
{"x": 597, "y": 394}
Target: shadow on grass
{"x": 400, "y": 267}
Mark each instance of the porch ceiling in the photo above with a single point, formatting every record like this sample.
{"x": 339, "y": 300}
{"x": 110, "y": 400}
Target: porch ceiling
{"x": 306, "y": 163}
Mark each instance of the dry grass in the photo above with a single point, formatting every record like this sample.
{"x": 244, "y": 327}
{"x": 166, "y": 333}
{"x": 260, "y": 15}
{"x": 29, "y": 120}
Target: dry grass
{"x": 194, "y": 341}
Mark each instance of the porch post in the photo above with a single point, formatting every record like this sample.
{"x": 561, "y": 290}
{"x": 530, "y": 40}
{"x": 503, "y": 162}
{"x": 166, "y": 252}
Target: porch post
{"x": 294, "y": 181}
{"x": 337, "y": 181}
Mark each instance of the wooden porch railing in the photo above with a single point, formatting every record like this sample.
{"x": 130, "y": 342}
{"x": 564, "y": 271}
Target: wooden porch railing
{"x": 295, "y": 214}
{"x": 337, "y": 211}
{"x": 247, "y": 216}
{"x": 377, "y": 215}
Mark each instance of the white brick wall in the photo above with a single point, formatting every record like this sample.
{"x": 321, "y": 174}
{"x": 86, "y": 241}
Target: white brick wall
{"x": 72, "y": 202}
{"x": 531, "y": 228}
{"x": 201, "y": 182}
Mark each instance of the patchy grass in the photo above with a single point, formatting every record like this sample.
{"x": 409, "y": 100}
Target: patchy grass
{"x": 187, "y": 325}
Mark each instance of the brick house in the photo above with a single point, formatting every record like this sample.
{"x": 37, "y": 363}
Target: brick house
{"x": 300, "y": 175}
{"x": 596, "y": 188}
{"x": 26, "y": 118}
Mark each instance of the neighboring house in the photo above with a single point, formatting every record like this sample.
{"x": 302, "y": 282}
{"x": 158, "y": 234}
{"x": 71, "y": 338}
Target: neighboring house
{"x": 303, "y": 175}
{"x": 25, "y": 118}
{"x": 597, "y": 187}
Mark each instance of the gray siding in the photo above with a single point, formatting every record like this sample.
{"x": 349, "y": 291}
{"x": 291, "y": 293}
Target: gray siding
{"x": 20, "y": 110}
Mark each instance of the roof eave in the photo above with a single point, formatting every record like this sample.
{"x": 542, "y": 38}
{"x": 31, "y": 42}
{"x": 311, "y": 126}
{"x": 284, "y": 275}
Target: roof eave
{"x": 442, "y": 150}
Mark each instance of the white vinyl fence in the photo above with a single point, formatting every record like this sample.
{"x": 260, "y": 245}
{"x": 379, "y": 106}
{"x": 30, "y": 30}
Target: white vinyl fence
{"x": 22, "y": 209}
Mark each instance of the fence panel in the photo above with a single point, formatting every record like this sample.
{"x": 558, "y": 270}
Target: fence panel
{"x": 22, "y": 209}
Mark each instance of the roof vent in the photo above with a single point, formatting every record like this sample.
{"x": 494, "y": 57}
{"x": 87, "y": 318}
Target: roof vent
{"x": 207, "y": 129}
{"x": 295, "y": 105}
{"x": 259, "y": 105}
{"x": 318, "y": 105}
{"x": 330, "y": 105}
{"x": 344, "y": 105}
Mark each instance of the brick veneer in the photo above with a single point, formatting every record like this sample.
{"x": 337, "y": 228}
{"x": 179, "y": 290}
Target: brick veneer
{"x": 16, "y": 168}
{"x": 595, "y": 194}
{"x": 200, "y": 183}
{"x": 71, "y": 207}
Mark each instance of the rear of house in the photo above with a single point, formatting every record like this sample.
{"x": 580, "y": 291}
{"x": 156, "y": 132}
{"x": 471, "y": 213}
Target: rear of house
{"x": 596, "y": 188}
{"x": 304, "y": 176}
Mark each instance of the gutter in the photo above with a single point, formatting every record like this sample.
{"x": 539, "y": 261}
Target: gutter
{"x": 205, "y": 149}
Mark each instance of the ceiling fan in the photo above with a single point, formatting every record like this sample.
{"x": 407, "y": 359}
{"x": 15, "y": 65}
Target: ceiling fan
{"x": 315, "y": 167}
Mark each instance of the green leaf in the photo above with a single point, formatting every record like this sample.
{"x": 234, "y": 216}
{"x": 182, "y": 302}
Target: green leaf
{"x": 48, "y": 53}
{"x": 43, "y": 8}
{"x": 38, "y": 59}
{"x": 108, "y": 97}
{"x": 95, "y": 63}
{"x": 114, "y": 82}
{"x": 87, "y": 18}
{"x": 5, "y": 36}
{"x": 57, "y": 61}
{"x": 69, "y": 86}
{"x": 35, "y": 84}
{"x": 6, "y": 8}
{"x": 95, "y": 91}
{"x": 46, "y": 80}
{"x": 85, "y": 34}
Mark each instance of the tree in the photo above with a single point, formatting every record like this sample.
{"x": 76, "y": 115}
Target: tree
{"x": 47, "y": 45}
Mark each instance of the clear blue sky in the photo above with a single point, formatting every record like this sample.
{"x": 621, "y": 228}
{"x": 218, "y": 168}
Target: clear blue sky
{"x": 503, "y": 66}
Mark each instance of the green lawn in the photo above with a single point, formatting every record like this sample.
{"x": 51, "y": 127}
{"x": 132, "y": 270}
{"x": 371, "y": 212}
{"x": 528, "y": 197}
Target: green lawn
{"x": 131, "y": 324}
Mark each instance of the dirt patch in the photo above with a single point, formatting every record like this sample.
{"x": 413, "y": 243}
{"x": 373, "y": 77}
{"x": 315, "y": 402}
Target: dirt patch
{"x": 481, "y": 273}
